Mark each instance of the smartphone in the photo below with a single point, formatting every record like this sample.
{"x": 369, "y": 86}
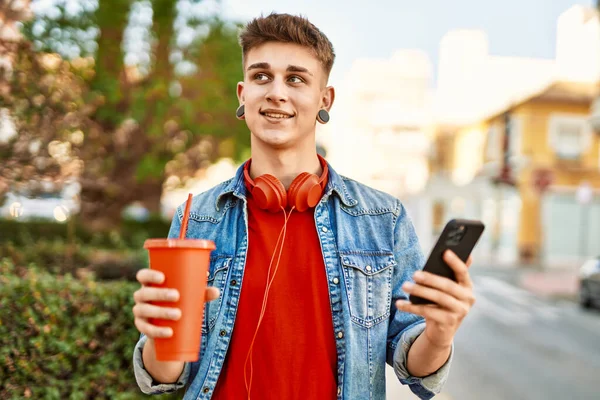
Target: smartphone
{"x": 460, "y": 236}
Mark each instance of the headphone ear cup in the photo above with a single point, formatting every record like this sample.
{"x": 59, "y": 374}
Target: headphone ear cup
{"x": 269, "y": 193}
{"x": 305, "y": 192}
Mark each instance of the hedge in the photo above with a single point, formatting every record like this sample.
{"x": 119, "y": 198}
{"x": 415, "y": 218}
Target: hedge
{"x": 116, "y": 254}
{"x": 65, "y": 338}
{"x": 58, "y": 257}
{"x": 129, "y": 234}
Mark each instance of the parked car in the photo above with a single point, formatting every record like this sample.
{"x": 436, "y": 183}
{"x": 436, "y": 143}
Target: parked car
{"x": 589, "y": 283}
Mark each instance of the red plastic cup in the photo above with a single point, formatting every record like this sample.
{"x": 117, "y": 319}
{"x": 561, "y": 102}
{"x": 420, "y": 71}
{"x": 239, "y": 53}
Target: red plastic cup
{"x": 184, "y": 262}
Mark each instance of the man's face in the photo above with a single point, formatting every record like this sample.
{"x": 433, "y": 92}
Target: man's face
{"x": 283, "y": 90}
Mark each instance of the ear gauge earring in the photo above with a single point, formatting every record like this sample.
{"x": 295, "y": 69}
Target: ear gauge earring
{"x": 323, "y": 116}
{"x": 239, "y": 113}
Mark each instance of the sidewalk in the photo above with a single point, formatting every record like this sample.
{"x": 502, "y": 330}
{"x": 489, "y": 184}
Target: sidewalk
{"x": 552, "y": 283}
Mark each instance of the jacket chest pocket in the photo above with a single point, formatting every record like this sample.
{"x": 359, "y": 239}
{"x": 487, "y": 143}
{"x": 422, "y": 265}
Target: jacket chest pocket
{"x": 217, "y": 277}
{"x": 368, "y": 280}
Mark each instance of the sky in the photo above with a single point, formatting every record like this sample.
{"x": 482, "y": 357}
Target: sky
{"x": 376, "y": 28}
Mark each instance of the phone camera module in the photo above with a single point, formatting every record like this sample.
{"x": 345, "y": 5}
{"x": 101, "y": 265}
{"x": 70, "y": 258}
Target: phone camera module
{"x": 456, "y": 235}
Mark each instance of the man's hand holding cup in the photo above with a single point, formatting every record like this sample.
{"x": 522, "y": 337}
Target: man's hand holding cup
{"x": 143, "y": 309}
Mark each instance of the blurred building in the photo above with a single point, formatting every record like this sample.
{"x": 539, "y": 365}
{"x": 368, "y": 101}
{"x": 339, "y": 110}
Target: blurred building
{"x": 175, "y": 192}
{"x": 514, "y": 146}
{"x": 501, "y": 139}
{"x": 380, "y": 131}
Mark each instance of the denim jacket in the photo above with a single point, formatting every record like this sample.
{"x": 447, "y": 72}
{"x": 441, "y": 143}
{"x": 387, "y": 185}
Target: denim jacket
{"x": 369, "y": 247}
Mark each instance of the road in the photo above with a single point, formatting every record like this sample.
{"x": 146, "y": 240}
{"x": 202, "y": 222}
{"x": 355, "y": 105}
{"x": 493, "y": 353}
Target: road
{"x": 515, "y": 345}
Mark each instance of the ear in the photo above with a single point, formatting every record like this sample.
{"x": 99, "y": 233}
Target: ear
{"x": 240, "y": 92}
{"x": 327, "y": 98}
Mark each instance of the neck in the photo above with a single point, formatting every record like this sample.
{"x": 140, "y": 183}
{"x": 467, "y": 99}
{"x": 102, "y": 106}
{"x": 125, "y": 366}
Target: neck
{"x": 284, "y": 164}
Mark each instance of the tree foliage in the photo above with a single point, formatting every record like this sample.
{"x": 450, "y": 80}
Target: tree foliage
{"x": 120, "y": 94}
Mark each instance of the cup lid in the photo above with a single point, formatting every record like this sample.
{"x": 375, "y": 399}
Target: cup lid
{"x": 180, "y": 243}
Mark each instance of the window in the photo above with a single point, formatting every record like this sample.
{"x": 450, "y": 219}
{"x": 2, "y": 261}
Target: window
{"x": 493, "y": 148}
{"x": 569, "y": 136}
{"x": 570, "y": 141}
{"x": 515, "y": 136}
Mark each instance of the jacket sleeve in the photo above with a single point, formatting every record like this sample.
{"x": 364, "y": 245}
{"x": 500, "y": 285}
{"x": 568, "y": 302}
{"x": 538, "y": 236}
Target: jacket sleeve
{"x": 145, "y": 381}
{"x": 404, "y": 328}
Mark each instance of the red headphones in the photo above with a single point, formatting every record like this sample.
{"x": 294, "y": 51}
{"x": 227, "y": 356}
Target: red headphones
{"x": 270, "y": 194}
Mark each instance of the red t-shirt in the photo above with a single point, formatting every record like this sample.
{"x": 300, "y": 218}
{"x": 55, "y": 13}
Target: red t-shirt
{"x": 294, "y": 354}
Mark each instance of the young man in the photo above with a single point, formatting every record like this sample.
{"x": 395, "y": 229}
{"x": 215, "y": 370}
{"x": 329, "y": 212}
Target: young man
{"x": 312, "y": 270}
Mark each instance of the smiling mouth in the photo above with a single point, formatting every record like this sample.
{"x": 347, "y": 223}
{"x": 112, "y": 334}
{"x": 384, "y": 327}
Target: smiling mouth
{"x": 276, "y": 115}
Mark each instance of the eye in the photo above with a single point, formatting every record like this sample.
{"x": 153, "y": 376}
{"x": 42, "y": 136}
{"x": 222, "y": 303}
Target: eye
{"x": 261, "y": 77}
{"x": 295, "y": 79}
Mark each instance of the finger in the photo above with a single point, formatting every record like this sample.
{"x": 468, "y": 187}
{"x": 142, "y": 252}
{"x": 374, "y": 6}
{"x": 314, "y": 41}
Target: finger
{"x": 443, "y": 284}
{"x": 459, "y": 267}
{"x": 437, "y": 296}
{"x": 147, "y": 276}
{"x": 212, "y": 293}
{"x": 428, "y": 311}
{"x": 145, "y": 310}
{"x": 469, "y": 261}
{"x": 147, "y": 294}
{"x": 152, "y": 331}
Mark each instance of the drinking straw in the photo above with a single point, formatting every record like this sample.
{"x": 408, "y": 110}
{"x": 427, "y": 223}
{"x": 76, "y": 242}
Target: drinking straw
{"x": 186, "y": 216}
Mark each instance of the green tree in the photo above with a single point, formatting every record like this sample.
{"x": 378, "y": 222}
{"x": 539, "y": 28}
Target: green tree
{"x": 120, "y": 127}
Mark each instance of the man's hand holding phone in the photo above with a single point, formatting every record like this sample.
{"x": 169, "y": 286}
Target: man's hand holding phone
{"x": 452, "y": 300}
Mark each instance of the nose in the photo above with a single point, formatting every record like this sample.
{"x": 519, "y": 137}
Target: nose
{"x": 277, "y": 91}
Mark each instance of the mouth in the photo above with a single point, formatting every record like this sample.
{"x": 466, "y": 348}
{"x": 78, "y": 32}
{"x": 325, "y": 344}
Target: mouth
{"x": 272, "y": 114}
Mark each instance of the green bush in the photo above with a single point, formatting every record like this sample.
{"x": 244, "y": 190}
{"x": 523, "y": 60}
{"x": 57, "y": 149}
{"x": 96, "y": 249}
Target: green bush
{"x": 118, "y": 265}
{"x": 128, "y": 235}
{"x": 58, "y": 257}
{"x": 53, "y": 254}
{"x": 64, "y": 338}
{"x": 116, "y": 254}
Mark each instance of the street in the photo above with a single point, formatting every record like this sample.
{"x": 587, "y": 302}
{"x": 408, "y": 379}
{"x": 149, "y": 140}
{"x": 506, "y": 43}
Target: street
{"x": 516, "y": 345}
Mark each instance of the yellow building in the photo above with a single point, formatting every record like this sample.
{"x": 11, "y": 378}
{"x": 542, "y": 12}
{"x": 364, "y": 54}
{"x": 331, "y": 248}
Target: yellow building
{"x": 513, "y": 145}
{"x": 531, "y": 171}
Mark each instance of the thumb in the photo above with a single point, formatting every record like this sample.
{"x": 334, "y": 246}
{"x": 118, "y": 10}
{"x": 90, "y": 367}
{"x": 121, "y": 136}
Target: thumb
{"x": 212, "y": 293}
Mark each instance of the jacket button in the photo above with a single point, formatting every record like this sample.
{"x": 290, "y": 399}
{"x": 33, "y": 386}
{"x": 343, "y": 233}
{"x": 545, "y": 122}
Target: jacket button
{"x": 324, "y": 229}
{"x": 206, "y": 389}
{"x": 336, "y": 280}
{"x": 339, "y": 390}
{"x": 340, "y": 334}
{"x": 223, "y": 333}
{"x": 233, "y": 282}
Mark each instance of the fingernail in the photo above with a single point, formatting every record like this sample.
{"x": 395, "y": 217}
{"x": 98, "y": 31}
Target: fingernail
{"x": 174, "y": 314}
{"x": 418, "y": 275}
{"x": 401, "y": 303}
{"x": 408, "y": 285}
